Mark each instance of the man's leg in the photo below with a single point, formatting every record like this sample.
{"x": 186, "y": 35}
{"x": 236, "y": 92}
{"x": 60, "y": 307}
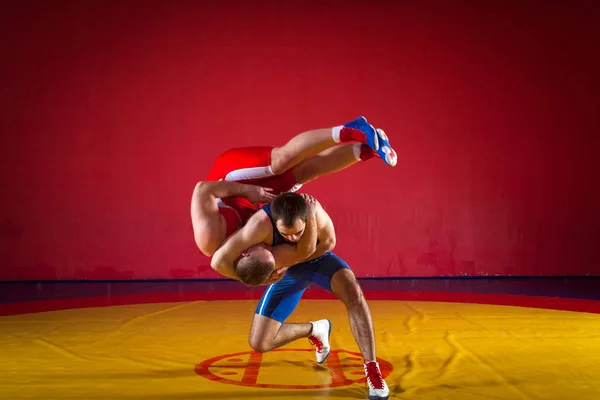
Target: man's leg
{"x": 257, "y": 164}
{"x": 277, "y": 303}
{"x": 335, "y": 275}
{"x": 311, "y": 143}
{"x": 345, "y": 286}
{"x": 299, "y": 148}
{"x": 267, "y": 333}
{"x": 331, "y": 160}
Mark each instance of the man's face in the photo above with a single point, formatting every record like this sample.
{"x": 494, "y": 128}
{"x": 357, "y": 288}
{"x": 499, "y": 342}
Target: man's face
{"x": 292, "y": 233}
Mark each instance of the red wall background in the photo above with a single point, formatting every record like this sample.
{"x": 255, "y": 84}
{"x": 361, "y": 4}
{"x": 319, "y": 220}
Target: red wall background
{"x": 111, "y": 112}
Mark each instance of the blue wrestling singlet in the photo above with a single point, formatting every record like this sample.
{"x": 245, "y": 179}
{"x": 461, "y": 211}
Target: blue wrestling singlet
{"x": 281, "y": 298}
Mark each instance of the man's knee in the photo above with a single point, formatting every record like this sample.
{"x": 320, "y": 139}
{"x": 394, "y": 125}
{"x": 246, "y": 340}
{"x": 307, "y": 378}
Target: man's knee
{"x": 281, "y": 161}
{"x": 348, "y": 289}
{"x": 262, "y": 333}
{"x": 259, "y": 345}
{"x": 355, "y": 297}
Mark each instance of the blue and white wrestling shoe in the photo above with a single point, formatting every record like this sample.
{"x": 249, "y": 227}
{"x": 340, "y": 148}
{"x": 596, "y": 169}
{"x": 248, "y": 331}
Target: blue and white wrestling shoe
{"x": 374, "y": 138}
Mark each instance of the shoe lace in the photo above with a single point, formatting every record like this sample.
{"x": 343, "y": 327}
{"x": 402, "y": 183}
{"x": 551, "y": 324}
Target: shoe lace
{"x": 315, "y": 341}
{"x": 374, "y": 375}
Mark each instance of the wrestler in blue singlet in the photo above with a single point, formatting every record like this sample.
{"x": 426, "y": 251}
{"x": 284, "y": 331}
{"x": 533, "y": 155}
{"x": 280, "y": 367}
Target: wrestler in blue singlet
{"x": 281, "y": 298}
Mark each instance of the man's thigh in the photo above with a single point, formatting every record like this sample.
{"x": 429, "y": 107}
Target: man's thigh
{"x": 281, "y": 298}
{"x": 325, "y": 268}
{"x": 242, "y": 163}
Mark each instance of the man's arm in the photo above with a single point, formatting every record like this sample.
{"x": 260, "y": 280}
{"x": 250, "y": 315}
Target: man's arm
{"x": 208, "y": 223}
{"x": 222, "y": 189}
{"x": 255, "y": 231}
{"x": 325, "y": 235}
{"x": 287, "y": 255}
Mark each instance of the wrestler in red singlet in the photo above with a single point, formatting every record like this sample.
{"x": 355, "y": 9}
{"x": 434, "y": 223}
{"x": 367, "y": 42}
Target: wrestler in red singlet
{"x": 249, "y": 165}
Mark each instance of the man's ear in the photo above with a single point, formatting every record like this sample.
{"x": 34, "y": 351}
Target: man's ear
{"x": 245, "y": 253}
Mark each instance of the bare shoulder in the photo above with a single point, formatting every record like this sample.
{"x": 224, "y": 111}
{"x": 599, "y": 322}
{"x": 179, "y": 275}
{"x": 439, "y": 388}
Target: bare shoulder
{"x": 320, "y": 208}
{"x": 321, "y": 216}
{"x": 259, "y": 217}
{"x": 259, "y": 221}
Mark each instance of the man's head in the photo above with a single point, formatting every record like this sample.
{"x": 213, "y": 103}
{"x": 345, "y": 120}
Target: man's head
{"x": 289, "y": 211}
{"x": 255, "y": 265}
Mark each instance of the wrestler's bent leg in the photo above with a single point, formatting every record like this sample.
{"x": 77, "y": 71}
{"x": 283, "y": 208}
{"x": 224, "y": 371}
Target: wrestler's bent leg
{"x": 331, "y": 160}
{"x": 269, "y": 329}
{"x": 311, "y": 143}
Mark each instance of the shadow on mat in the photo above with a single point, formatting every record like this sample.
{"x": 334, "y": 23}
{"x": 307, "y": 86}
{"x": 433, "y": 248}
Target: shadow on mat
{"x": 201, "y": 393}
{"x": 424, "y": 391}
{"x": 253, "y": 393}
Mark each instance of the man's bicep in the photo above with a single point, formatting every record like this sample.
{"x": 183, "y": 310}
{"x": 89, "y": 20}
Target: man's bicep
{"x": 285, "y": 255}
{"x": 247, "y": 236}
{"x": 208, "y": 224}
{"x": 203, "y": 204}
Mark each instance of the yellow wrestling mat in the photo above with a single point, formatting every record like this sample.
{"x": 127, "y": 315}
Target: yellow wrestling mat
{"x": 199, "y": 350}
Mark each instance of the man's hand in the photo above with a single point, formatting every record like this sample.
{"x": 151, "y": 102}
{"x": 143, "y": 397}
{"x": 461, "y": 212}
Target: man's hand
{"x": 259, "y": 194}
{"x": 311, "y": 203}
{"x": 275, "y": 277}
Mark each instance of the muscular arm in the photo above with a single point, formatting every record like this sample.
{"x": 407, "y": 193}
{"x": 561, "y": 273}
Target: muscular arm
{"x": 325, "y": 235}
{"x": 287, "y": 255}
{"x": 255, "y": 231}
{"x": 319, "y": 226}
{"x": 208, "y": 223}
{"x": 220, "y": 189}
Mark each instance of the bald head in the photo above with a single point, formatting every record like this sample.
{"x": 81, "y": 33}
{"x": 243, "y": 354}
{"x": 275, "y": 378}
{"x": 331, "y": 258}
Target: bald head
{"x": 255, "y": 266}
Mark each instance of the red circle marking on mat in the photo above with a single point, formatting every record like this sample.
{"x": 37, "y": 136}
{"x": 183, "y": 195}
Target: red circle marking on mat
{"x": 251, "y": 368}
